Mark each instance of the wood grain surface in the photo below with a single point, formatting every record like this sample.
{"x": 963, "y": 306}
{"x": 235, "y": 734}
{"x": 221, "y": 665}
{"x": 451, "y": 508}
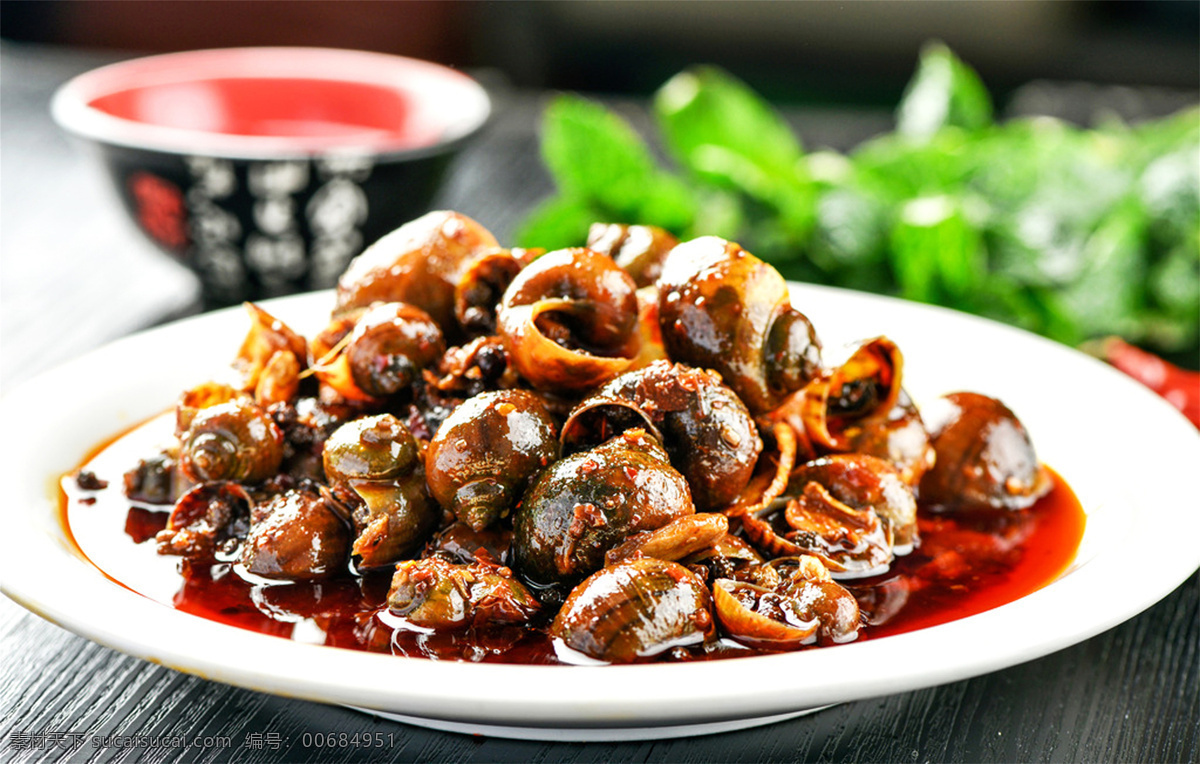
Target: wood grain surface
{"x": 76, "y": 274}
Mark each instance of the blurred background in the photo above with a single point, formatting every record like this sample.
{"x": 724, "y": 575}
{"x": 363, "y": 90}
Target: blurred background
{"x": 1076, "y": 264}
{"x": 792, "y": 52}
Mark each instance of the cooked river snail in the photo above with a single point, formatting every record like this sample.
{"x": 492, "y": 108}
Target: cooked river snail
{"x": 569, "y": 320}
{"x": 484, "y": 454}
{"x": 632, "y": 450}
{"x": 721, "y": 308}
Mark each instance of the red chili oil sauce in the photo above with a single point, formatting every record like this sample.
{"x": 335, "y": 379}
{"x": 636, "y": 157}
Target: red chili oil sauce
{"x": 963, "y": 566}
{"x": 274, "y": 107}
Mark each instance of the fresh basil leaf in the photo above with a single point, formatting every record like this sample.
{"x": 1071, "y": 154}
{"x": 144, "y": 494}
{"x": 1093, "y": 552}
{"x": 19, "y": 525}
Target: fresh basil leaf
{"x": 595, "y": 156}
{"x": 705, "y": 107}
{"x": 1108, "y": 294}
{"x": 1056, "y": 319}
{"x": 601, "y": 163}
{"x": 850, "y": 232}
{"x": 944, "y": 92}
{"x": 1065, "y": 231}
{"x": 899, "y": 168}
{"x": 1174, "y": 282}
{"x": 1170, "y": 191}
{"x": 1049, "y": 186}
{"x": 1002, "y": 298}
{"x": 726, "y": 135}
{"x": 1082, "y": 173}
{"x": 936, "y": 252}
{"x": 557, "y": 223}
{"x": 667, "y": 202}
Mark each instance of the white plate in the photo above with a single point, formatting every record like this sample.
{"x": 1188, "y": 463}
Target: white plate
{"x": 1128, "y": 455}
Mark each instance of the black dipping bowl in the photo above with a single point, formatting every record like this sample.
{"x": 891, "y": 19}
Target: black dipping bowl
{"x": 265, "y": 170}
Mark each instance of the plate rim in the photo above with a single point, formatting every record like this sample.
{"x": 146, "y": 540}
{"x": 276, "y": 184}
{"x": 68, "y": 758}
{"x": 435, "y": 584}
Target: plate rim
{"x": 534, "y": 696}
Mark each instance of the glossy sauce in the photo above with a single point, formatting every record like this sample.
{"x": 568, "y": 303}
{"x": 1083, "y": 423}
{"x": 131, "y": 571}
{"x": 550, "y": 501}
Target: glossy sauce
{"x": 964, "y": 565}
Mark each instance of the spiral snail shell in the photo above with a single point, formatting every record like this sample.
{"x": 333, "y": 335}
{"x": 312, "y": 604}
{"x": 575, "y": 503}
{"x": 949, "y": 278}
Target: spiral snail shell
{"x": 235, "y": 440}
{"x": 569, "y": 320}
{"x": 721, "y": 308}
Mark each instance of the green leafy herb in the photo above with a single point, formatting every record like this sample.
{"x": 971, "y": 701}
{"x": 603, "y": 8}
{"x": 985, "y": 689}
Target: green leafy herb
{"x": 726, "y": 135}
{"x": 1071, "y": 232}
{"x": 935, "y": 250}
{"x": 605, "y": 171}
{"x": 944, "y": 92}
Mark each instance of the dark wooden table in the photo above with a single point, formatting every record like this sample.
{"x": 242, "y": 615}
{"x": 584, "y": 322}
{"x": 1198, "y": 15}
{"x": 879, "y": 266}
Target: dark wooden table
{"x": 76, "y": 274}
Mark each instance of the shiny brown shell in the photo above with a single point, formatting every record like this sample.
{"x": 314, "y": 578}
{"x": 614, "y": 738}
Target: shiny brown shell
{"x": 374, "y": 466}
{"x": 383, "y": 354}
{"x": 707, "y": 431}
{"x": 396, "y": 518}
{"x": 861, "y": 482}
{"x": 569, "y": 320}
{"x": 805, "y": 607}
{"x": 585, "y": 504}
{"x": 722, "y": 308}
{"x": 635, "y": 611}
{"x": 478, "y": 293}
{"x": 865, "y": 386}
{"x": 390, "y": 345}
{"x": 235, "y": 440}
{"x": 985, "y": 458}
{"x": 419, "y": 263}
{"x": 370, "y": 448}
{"x": 484, "y": 454}
{"x": 205, "y": 522}
{"x": 899, "y": 437}
{"x": 436, "y": 594}
{"x": 299, "y": 535}
{"x": 638, "y": 249}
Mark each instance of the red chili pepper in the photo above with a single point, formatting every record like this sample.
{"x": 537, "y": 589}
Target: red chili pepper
{"x": 1179, "y": 387}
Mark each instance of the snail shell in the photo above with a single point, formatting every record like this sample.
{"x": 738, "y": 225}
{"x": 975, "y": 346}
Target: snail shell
{"x": 298, "y": 535}
{"x": 985, "y": 458}
{"x": 483, "y": 455}
{"x": 638, "y": 249}
{"x": 722, "y": 308}
{"x": 862, "y": 482}
{"x": 374, "y": 465}
{"x": 899, "y": 437}
{"x": 802, "y": 609}
{"x": 205, "y": 521}
{"x": 437, "y": 594}
{"x": 584, "y": 505}
{"x": 707, "y": 431}
{"x": 865, "y": 386}
{"x": 383, "y": 354}
{"x": 235, "y": 440}
{"x": 569, "y": 320}
{"x": 419, "y": 263}
{"x": 477, "y": 294}
{"x": 634, "y": 611}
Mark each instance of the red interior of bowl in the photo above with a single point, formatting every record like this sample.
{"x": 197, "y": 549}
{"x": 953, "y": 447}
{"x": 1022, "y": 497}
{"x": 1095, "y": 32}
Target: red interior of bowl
{"x": 275, "y": 107}
{"x": 273, "y": 102}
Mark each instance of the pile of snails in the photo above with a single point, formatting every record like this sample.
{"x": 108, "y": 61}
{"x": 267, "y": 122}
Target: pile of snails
{"x": 635, "y": 446}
